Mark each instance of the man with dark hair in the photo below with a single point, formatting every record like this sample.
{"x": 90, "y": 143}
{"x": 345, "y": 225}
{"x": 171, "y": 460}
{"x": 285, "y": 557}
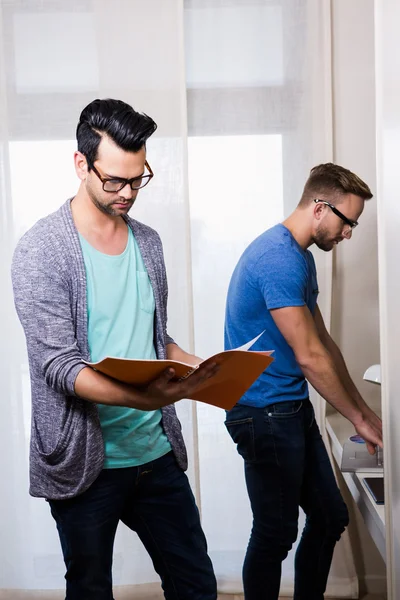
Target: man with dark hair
{"x": 89, "y": 281}
{"x": 273, "y": 292}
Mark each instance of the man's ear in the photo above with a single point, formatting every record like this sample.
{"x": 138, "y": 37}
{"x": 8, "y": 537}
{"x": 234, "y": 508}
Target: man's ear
{"x": 318, "y": 210}
{"x": 81, "y": 166}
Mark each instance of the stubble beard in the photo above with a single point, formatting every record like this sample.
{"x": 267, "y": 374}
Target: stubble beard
{"x": 322, "y": 241}
{"x": 107, "y": 209}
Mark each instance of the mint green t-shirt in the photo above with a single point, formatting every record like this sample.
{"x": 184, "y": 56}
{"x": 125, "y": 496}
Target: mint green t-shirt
{"x": 120, "y": 305}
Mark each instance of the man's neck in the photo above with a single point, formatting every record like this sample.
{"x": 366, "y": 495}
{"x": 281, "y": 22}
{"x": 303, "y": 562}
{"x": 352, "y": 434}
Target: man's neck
{"x": 298, "y": 225}
{"x": 88, "y": 217}
{"x": 104, "y": 232}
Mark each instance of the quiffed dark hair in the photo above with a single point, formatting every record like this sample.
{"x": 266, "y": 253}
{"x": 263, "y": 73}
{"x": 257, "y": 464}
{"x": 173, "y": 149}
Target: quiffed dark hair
{"x": 334, "y": 181}
{"x": 125, "y": 126}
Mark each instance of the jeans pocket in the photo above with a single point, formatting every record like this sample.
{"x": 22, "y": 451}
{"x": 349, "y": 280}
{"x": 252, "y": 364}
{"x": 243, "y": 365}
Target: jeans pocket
{"x": 242, "y": 433}
{"x": 310, "y": 416}
{"x": 283, "y": 410}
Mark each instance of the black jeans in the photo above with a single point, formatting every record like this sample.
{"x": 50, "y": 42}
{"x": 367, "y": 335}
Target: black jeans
{"x": 156, "y": 501}
{"x": 287, "y": 466}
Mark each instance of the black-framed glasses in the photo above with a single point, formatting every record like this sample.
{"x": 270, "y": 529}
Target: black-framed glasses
{"x": 349, "y": 222}
{"x": 116, "y": 184}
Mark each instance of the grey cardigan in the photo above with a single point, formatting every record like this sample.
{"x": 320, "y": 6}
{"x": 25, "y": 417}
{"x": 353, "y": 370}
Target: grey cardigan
{"x": 49, "y": 281}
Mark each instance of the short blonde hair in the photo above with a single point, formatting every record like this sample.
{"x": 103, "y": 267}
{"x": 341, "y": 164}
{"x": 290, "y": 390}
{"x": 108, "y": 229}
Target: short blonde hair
{"x": 330, "y": 179}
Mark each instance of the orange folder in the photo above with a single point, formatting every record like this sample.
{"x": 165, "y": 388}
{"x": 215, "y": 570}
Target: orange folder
{"x": 238, "y": 370}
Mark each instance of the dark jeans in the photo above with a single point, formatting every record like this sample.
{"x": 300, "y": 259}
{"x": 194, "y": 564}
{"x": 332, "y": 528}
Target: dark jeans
{"x": 287, "y": 466}
{"x": 156, "y": 501}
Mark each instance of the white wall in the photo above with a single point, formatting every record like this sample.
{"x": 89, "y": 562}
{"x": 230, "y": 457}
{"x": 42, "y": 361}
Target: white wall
{"x": 388, "y": 130}
{"x": 355, "y": 308}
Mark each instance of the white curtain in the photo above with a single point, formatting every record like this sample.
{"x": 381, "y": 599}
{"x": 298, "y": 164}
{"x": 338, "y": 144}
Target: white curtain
{"x": 241, "y": 92}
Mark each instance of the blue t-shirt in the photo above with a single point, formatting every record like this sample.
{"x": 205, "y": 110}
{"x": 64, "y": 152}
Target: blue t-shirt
{"x": 120, "y": 305}
{"x": 273, "y": 272}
